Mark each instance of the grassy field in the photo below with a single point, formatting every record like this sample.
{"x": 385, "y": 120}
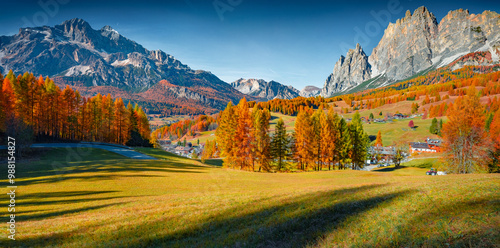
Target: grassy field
{"x": 94, "y": 198}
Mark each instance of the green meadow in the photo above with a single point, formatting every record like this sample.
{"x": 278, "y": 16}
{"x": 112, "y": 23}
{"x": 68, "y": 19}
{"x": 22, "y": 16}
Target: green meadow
{"x": 94, "y": 198}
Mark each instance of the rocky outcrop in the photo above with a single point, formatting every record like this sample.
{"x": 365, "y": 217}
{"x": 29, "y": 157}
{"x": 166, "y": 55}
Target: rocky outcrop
{"x": 406, "y": 47}
{"x": 310, "y": 91}
{"x": 418, "y": 42}
{"x": 348, "y": 72}
{"x": 74, "y": 53}
{"x": 268, "y": 90}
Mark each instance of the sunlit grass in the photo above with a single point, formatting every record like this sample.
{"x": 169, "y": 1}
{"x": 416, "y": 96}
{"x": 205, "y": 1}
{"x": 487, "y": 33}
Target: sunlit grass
{"x": 105, "y": 200}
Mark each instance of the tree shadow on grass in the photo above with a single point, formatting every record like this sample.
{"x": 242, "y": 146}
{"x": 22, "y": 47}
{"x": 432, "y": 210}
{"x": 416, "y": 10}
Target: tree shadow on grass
{"x": 59, "y": 199}
{"x": 288, "y": 222}
{"x": 214, "y": 162}
{"x": 59, "y": 166}
{"x": 388, "y": 169}
{"x": 65, "y": 176}
{"x": 38, "y": 216}
{"x": 301, "y": 222}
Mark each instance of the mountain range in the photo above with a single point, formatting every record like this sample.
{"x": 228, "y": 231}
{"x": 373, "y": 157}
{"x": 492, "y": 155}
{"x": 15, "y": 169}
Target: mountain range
{"x": 75, "y": 54}
{"x": 415, "y": 44}
{"x": 103, "y": 61}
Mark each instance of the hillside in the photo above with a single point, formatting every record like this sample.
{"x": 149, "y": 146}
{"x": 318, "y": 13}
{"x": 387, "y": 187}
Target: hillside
{"x": 103, "y": 61}
{"x": 95, "y": 201}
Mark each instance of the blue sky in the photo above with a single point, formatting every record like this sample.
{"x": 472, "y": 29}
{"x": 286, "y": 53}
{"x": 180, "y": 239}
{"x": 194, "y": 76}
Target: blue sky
{"x": 293, "y": 42}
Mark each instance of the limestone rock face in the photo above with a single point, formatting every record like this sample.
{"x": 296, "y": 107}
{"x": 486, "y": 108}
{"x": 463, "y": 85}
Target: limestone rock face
{"x": 461, "y": 33}
{"x": 406, "y": 47}
{"x": 348, "y": 72}
{"x": 268, "y": 90}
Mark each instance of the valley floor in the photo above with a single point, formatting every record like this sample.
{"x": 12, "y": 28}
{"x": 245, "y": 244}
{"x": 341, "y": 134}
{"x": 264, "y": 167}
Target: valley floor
{"x": 95, "y": 198}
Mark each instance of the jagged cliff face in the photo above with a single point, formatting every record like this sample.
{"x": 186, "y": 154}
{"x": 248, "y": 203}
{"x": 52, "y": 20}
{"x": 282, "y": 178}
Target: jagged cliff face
{"x": 310, "y": 91}
{"x": 268, "y": 90}
{"x": 406, "y": 47}
{"x": 461, "y": 33}
{"x": 348, "y": 72}
{"x": 417, "y": 42}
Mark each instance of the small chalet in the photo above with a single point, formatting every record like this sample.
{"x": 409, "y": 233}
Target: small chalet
{"x": 430, "y": 145}
{"x": 420, "y": 147}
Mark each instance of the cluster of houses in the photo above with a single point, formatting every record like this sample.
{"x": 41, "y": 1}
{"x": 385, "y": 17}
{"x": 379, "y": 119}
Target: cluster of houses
{"x": 381, "y": 154}
{"x": 389, "y": 117}
{"x": 187, "y": 151}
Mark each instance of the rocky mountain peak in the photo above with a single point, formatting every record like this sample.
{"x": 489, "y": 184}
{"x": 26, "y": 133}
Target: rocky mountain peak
{"x": 310, "y": 91}
{"x": 348, "y": 71}
{"x": 109, "y": 32}
{"x": 268, "y": 90}
{"x": 459, "y": 13}
{"x": 416, "y": 42}
{"x": 405, "y": 47}
{"x": 74, "y": 25}
{"x": 108, "y": 28}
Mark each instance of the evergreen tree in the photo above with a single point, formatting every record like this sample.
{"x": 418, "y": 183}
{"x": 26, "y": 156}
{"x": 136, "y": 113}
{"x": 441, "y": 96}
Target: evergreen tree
{"x": 488, "y": 121}
{"x": 343, "y": 144}
{"x": 434, "y": 128}
{"x": 358, "y": 142}
{"x": 371, "y": 116}
{"x": 280, "y": 146}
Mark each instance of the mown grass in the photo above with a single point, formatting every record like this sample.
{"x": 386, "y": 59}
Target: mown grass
{"x": 100, "y": 199}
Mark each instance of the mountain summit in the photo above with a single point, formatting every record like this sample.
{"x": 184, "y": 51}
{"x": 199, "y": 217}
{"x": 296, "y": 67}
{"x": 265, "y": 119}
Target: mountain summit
{"x": 76, "y": 54}
{"x": 268, "y": 90}
{"x": 348, "y": 71}
{"x": 416, "y": 43}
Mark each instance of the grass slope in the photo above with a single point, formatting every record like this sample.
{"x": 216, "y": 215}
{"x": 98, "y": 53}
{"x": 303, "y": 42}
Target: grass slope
{"x": 94, "y": 198}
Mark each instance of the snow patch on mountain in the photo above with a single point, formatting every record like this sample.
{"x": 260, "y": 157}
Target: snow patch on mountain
{"x": 121, "y": 63}
{"x": 78, "y": 70}
{"x": 450, "y": 59}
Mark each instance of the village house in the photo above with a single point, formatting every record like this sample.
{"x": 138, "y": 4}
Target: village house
{"x": 420, "y": 147}
{"x": 381, "y": 153}
{"x": 430, "y": 145}
{"x": 182, "y": 151}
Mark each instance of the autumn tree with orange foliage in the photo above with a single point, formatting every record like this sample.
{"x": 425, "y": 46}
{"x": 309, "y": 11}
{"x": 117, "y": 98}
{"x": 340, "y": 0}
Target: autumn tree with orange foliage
{"x": 244, "y": 137}
{"x": 54, "y": 114}
{"x": 378, "y": 140}
{"x": 465, "y": 140}
{"x": 494, "y": 166}
{"x": 304, "y": 139}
